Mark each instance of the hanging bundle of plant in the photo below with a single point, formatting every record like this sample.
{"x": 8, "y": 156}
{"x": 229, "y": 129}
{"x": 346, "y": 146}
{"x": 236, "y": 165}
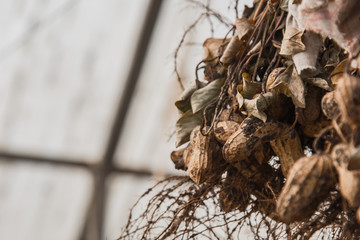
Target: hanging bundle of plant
{"x": 270, "y": 136}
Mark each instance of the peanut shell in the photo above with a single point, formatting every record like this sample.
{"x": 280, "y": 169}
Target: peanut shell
{"x": 309, "y": 183}
{"x": 224, "y": 130}
{"x": 288, "y": 148}
{"x": 329, "y": 106}
{"x": 252, "y": 133}
{"x": 349, "y": 180}
{"x": 312, "y": 108}
{"x": 348, "y": 97}
{"x": 203, "y": 157}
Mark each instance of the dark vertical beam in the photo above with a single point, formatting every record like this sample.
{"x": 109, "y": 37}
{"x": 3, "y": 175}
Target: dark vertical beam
{"x": 120, "y": 117}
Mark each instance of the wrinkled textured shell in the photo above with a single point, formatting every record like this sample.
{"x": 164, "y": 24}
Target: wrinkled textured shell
{"x": 224, "y": 130}
{"x": 309, "y": 183}
{"x": 288, "y": 148}
{"x": 348, "y": 97}
{"x": 329, "y": 106}
{"x": 251, "y": 134}
{"x": 229, "y": 115}
{"x": 202, "y": 157}
{"x": 349, "y": 180}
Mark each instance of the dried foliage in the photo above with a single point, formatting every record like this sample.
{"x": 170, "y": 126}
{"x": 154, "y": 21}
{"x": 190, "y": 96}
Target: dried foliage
{"x": 273, "y": 132}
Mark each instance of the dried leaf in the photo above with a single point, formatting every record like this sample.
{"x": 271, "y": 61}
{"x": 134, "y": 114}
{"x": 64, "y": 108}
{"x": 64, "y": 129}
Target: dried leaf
{"x": 183, "y": 104}
{"x": 240, "y": 99}
{"x": 284, "y": 5}
{"x": 292, "y": 43}
{"x": 203, "y": 96}
{"x": 232, "y": 49}
{"x": 250, "y": 88}
{"x": 257, "y": 106}
{"x": 211, "y": 47}
{"x": 338, "y": 72}
{"x": 244, "y": 28}
{"x": 321, "y": 83}
{"x": 255, "y": 49}
{"x": 184, "y": 126}
{"x": 290, "y": 84}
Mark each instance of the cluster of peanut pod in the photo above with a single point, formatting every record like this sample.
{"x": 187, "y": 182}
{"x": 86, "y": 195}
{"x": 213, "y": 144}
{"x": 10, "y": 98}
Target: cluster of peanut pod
{"x": 258, "y": 139}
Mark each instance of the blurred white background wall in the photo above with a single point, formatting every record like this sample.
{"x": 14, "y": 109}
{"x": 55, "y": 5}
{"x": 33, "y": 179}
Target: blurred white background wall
{"x": 63, "y": 71}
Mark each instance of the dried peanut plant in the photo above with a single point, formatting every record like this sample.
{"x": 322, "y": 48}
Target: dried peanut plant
{"x": 270, "y": 137}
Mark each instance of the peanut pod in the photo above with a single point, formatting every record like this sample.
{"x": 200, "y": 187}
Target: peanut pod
{"x": 251, "y": 134}
{"x": 224, "y": 130}
{"x": 288, "y": 148}
{"x": 203, "y": 156}
{"x": 329, "y": 106}
{"x": 348, "y": 97}
{"x": 308, "y": 184}
{"x": 349, "y": 179}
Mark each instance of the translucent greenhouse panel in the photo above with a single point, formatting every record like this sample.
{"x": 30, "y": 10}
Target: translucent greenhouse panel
{"x": 42, "y": 202}
{"x": 62, "y": 67}
{"x": 123, "y": 191}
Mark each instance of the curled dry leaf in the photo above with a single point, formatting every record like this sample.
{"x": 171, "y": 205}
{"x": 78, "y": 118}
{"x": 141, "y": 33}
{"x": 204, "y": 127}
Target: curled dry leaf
{"x": 224, "y": 130}
{"x": 309, "y": 183}
{"x": 251, "y": 134}
{"x": 212, "y": 49}
{"x": 233, "y": 193}
{"x": 250, "y": 88}
{"x": 292, "y": 42}
{"x": 349, "y": 180}
{"x": 329, "y": 106}
{"x": 321, "y": 83}
{"x": 203, "y": 157}
{"x": 306, "y": 62}
{"x": 288, "y": 148}
{"x": 338, "y": 72}
{"x": 290, "y": 84}
{"x": 257, "y": 106}
{"x": 273, "y": 76}
{"x": 234, "y": 47}
{"x": 203, "y": 96}
{"x": 244, "y": 28}
{"x": 184, "y": 126}
{"x": 183, "y": 104}
{"x": 348, "y": 97}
